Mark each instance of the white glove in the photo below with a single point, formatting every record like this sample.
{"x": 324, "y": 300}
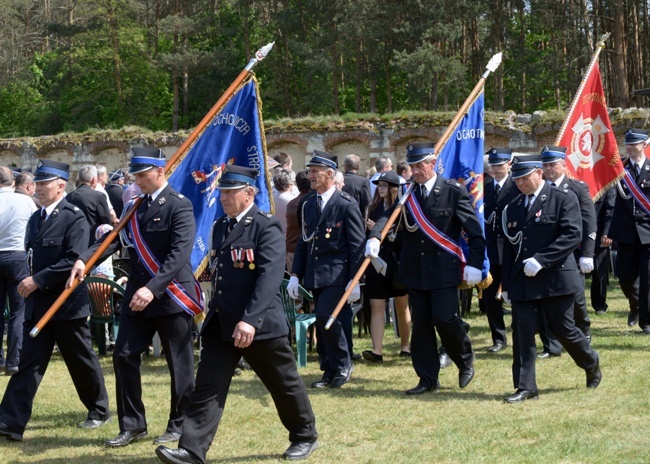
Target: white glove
{"x": 372, "y": 248}
{"x": 355, "y": 295}
{"x": 532, "y": 267}
{"x": 504, "y": 297}
{"x": 472, "y": 275}
{"x": 292, "y": 288}
{"x": 586, "y": 265}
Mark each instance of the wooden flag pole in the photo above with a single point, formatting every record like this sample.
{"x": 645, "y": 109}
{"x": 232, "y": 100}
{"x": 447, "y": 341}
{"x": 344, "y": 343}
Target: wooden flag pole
{"x": 169, "y": 168}
{"x": 492, "y": 65}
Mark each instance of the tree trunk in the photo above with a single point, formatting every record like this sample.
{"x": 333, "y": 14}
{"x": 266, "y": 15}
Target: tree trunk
{"x": 621, "y": 92}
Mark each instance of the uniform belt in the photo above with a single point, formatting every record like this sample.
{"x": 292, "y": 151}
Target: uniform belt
{"x": 11, "y": 251}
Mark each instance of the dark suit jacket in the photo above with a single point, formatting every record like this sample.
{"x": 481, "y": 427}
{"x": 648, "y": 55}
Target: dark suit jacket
{"x": 588, "y": 213}
{"x": 94, "y": 206}
{"x": 358, "y": 187}
{"x": 168, "y": 228}
{"x": 604, "y": 207}
{"x": 630, "y": 224}
{"x": 242, "y": 293}
{"x": 551, "y": 231}
{"x": 115, "y": 192}
{"x": 423, "y": 264}
{"x": 335, "y": 252}
{"x": 58, "y": 244}
{"x": 493, "y": 208}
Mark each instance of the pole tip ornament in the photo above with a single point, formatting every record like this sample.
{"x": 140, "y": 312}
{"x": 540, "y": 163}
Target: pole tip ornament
{"x": 262, "y": 52}
{"x": 494, "y": 62}
{"x": 601, "y": 41}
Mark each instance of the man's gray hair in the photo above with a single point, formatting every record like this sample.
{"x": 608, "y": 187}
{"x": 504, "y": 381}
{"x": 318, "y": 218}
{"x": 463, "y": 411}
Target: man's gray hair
{"x": 86, "y": 174}
{"x": 352, "y": 162}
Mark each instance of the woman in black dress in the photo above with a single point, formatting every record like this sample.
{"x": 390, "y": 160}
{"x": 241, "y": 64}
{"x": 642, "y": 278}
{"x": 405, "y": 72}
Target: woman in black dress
{"x": 379, "y": 288}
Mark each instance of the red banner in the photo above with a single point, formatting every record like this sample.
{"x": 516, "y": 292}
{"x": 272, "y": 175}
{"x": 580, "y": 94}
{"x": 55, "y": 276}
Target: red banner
{"x": 592, "y": 154}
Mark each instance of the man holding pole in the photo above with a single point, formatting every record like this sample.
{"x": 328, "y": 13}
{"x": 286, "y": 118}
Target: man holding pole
{"x": 56, "y": 235}
{"x": 327, "y": 256}
{"x": 436, "y": 212}
{"x": 158, "y": 297}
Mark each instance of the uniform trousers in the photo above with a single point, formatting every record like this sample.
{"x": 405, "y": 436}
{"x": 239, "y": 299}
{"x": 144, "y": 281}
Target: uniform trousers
{"x": 632, "y": 263}
{"x": 333, "y": 345}
{"x": 133, "y": 339}
{"x": 494, "y": 307}
{"x": 73, "y": 339}
{"x": 559, "y": 314}
{"x": 600, "y": 279}
{"x": 437, "y": 309}
{"x": 274, "y": 363}
{"x": 13, "y": 269}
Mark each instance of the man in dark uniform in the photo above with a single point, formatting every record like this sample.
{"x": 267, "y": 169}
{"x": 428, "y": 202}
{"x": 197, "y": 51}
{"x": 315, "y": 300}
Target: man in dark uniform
{"x": 554, "y": 167}
{"x": 328, "y": 255}
{"x": 540, "y": 274}
{"x": 430, "y": 273}
{"x": 631, "y": 230}
{"x": 356, "y": 186}
{"x": 604, "y": 207}
{"x": 166, "y": 224}
{"x": 245, "y": 319}
{"x": 498, "y": 193}
{"x": 115, "y": 190}
{"x": 56, "y": 235}
{"x": 90, "y": 201}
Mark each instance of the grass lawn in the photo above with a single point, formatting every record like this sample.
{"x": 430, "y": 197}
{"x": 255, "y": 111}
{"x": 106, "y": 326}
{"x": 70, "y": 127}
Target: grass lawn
{"x": 370, "y": 420}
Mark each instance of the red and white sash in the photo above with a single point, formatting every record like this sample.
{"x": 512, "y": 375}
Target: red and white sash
{"x": 636, "y": 192}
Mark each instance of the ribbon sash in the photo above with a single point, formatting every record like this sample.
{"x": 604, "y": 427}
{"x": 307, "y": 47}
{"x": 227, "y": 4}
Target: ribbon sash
{"x": 636, "y": 192}
{"x": 435, "y": 235}
{"x": 174, "y": 289}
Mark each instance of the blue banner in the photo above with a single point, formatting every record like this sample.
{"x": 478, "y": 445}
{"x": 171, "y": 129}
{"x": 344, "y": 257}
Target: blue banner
{"x": 462, "y": 159}
{"x": 235, "y": 136}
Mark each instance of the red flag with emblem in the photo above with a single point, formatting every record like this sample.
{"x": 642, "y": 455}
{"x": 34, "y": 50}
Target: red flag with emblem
{"x": 592, "y": 152}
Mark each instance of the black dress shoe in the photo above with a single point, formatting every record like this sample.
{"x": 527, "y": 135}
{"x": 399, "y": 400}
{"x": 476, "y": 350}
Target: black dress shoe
{"x": 632, "y": 318}
{"x": 355, "y": 356}
{"x": 89, "y": 424}
{"x": 421, "y": 388}
{"x": 370, "y": 356}
{"x": 8, "y": 433}
{"x": 404, "y": 354}
{"x": 645, "y": 330}
{"x": 465, "y": 376}
{"x": 126, "y": 438}
{"x": 167, "y": 437}
{"x": 522, "y": 395}
{"x": 496, "y": 348}
{"x": 341, "y": 378}
{"x": 299, "y": 450}
{"x": 546, "y": 354}
{"x": 175, "y": 456}
{"x": 323, "y": 382}
{"x": 594, "y": 376}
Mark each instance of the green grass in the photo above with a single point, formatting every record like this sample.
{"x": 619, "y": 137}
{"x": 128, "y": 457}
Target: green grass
{"x": 370, "y": 420}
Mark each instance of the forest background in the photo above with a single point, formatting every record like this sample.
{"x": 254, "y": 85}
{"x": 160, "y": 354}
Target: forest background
{"x": 75, "y": 65}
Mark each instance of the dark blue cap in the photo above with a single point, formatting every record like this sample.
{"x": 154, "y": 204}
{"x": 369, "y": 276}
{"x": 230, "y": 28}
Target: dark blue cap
{"x": 114, "y": 176}
{"x": 390, "y": 177}
{"x": 15, "y": 170}
{"x": 634, "y": 135}
{"x": 234, "y": 177}
{"x": 49, "y": 170}
{"x": 523, "y": 166}
{"x": 324, "y": 159}
{"x": 145, "y": 158}
{"x": 550, "y": 153}
{"x": 499, "y": 155}
{"x": 416, "y": 152}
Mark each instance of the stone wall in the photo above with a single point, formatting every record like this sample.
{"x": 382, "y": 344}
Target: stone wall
{"x": 368, "y": 137}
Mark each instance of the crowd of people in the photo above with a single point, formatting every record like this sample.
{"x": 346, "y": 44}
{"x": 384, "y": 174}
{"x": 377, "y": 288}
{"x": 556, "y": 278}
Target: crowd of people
{"x": 542, "y": 235}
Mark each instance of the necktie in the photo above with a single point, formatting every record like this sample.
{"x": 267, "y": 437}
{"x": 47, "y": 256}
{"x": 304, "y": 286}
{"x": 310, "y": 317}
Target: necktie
{"x": 531, "y": 199}
{"x": 553, "y": 184}
{"x": 497, "y": 189}
{"x": 319, "y": 201}
{"x": 637, "y": 170}
{"x": 423, "y": 191}
{"x": 232, "y": 222}
{"x": 148, "y": 199}
{"x": 41, "y": 220}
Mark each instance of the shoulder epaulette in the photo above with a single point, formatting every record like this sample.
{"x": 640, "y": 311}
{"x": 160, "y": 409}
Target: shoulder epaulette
{"x": 452, "y": 182}
{"x": 346, "y": 196}
{"x": 264, "y": 214}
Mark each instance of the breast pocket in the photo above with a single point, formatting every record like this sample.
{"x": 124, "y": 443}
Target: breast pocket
{"x": 52, "y": 241}
{"x": 156, "y": 226}
{"x": 440, "y": 217}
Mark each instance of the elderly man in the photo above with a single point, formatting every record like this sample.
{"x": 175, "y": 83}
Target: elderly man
{"x": 160, "y": 297}
{"x": 438, "y": 209}
{"x": 540, "y": 274}
{"x": 15, "y": 211}
{"x": 245, "y": 319}
{"x": 91, "y": 202}
{"x": 55, "y": 236}
{"x": 328, "y": 255}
